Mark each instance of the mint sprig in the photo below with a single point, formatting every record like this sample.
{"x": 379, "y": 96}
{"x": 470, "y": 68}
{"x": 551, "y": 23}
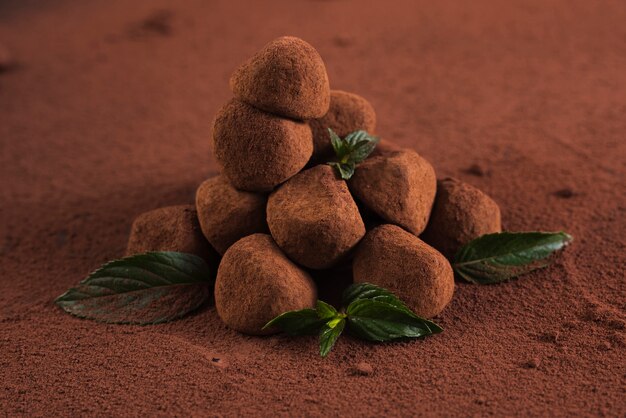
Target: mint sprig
{"x": 141, "y": 289}
{"x": 371, "y": 313}
{"x": 351, "y": 150}
{"x": 494, "y": 258}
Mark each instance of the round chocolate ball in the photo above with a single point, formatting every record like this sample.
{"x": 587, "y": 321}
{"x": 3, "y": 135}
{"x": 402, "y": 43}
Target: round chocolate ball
{"x": 460, "y": 214}
{"x": 227, "y": 214}
{"x": 397, "y": 260}
{"x": 172, "y": 228}
{"x": 314, "y": 219}
{"x": 399, "y": 187}
{"x": 256, "y": 283}
{"x": 287, "y": 77}
{"x": 258, "y": 150}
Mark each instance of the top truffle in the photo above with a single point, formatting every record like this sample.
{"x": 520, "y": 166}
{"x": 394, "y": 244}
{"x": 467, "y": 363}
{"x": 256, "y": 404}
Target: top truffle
{"x": 287, "y": 77}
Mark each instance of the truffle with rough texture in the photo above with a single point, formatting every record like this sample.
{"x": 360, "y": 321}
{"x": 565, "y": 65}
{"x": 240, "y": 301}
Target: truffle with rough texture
{"x": 287, "y": 77}
{"x": 257, "y": 150}
{"x": 314, "y": 219}
{"x": 397, "y": 260}
{"x": 348, "y": 113}
{"x": 385, "y": 147}
{"x": 256, "y": 283}
{"x": 172, "y": 228}
{"x": 227, "y": 214}
{"x": 461, "y": 213}
{"x": 399, "y": 187}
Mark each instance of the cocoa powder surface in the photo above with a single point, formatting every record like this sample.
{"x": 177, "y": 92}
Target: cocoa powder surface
{"x": 101, "y": 122}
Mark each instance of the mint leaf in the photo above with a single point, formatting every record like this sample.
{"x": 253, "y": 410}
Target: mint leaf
{"x": 495, "y": 258}
{"x": 303, "y": 322}
{"x": 379, "y": 321}
{"x": 141, "y": 289}
{"x": 346, "y": 170}
{"x": 351, "y": 150}
{"x": 325, "y": 311}
{"x": 329, "y": 335}
{"x": 373, "y": 314}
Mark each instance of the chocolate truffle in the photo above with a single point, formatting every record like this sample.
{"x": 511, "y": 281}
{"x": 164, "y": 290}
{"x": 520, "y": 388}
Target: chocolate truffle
{"x": 399, "y": 187}
{"x": 314, "y": 219}
{"x": 172, "y": 228}
{"x": 397, "y": 260}
{"x": 461, "y": 213}
{"x": 348, "y": 113}
{"x": 287, "y": 77}
{"x": 227, "y": 214}
{"x": 256, "y": 283}
{"x": 258, "y": 150}
{"x": 385, "y": 147}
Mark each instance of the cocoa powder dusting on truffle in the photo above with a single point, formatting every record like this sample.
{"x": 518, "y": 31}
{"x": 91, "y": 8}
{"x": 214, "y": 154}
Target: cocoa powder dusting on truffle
{"x": 257, "y": 150}
{"x": 314, "y": 219}
{"x": 227, "y": 214}
{"x": 92, "y": 133}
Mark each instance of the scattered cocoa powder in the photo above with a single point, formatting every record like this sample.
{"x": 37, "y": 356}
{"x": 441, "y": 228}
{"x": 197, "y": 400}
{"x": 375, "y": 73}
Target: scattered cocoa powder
{"x": 531, "y": 91}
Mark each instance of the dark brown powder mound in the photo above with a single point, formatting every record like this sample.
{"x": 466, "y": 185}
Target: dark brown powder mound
{"x": 397, "y": 260}
{"x": 227, "y": 214}
{"x": 287, "y": 77}
{"x": 348, "y": 112}
{"x": 256, "y": 282}
{"x": 399, "y": 187}
{"x": 314, "y": 219}
{"x": 258, "y": 150}
{"x": 461, "y": 213}
{"x": 172, "y": 228}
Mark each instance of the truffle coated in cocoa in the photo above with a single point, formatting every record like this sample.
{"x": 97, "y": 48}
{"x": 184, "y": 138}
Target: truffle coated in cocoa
{"x": 227, "y": 214}
{"x": 314, "y": 219}
{"x": 286, "y": 77}
{"x": 171, "y": 228}
{"x": 256, "y": 282}
{"x": 258, "y": 150}
{"x": 348, "y": 112}
{"x": 397, "y": 260}
{"x": 460, "y": 214}
{"x": 399, "y": 187}
{"x": 385, "y": 147}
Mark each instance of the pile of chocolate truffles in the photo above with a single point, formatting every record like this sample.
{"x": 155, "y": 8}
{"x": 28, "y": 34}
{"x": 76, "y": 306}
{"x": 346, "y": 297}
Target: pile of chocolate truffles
{"x": 280, "y": 216}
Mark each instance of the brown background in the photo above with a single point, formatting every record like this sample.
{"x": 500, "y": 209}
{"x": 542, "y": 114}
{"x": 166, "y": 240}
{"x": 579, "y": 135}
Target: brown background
{"x": 107, "y": 116}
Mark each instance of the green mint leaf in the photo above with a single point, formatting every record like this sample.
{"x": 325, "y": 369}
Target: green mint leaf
{"x": 495, "y": 258}
{"x": 351, "y": 150}
{"x": 362, "y": 148}
{"x": 329, "y": 335}
{"x": 346, "y": 170}
{"x": 369, "y": 291}
{"x": 324, "y": 310}
{"x": 374, "y": 320}
{"x": 141, "y": 289}
{"x": 303, "y": 322}
{"x": 337, "y": 143}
